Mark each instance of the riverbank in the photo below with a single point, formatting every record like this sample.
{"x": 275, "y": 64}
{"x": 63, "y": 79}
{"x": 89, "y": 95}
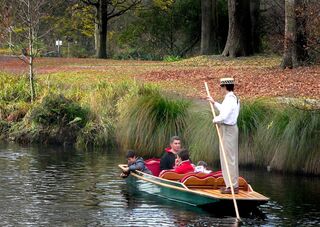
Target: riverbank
{"x": 95, "y": 108}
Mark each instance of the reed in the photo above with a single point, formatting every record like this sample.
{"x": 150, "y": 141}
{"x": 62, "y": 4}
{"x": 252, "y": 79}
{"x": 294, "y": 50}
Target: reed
{"x": 252, "y": 114}
{"x": 15, "y": 88}
{"x": 149, "y": 120}
{"x": 290, "y": 141}
{"x": 201, "y": 136}
{"x": 103, "y": 103}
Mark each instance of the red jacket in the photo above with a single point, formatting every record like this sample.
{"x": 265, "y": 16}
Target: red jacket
{"x": 184, "y": 167}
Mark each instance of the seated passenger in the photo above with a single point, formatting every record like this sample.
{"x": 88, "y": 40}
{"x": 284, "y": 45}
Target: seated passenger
{"x": 134, "y": 163}
{"x": 202, "y": 168}
{"x": 184, "y": 164}
{"x": 168, "y": 159}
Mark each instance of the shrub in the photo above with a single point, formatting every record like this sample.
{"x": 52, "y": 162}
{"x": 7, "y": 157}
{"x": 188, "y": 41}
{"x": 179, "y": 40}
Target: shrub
{"x": 55, "y": 109}
{"x": 171, "y": 58}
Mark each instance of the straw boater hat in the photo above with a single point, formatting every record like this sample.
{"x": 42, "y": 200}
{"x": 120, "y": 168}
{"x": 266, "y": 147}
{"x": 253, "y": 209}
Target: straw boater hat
{"x": 225, "y": 81}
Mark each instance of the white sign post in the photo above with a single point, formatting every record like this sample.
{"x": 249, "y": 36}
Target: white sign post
{"x": 58, "y": 44}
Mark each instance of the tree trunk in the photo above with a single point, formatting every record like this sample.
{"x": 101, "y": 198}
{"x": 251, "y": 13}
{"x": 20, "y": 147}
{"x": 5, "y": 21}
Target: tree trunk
{"x": 215, "y": 44}
{"x": 295, "y": 34}
{"x": 102, "y": 27}
{"x": 255, "y": 25}
{"x": 96, "y": 30}
{"x": 209, "y": 27}
{"x": 31, "y": 40}
{"x": 239, "y": 35}
{"x": 206, "y": 26}
{"x": 31, "y": 79}
{"x": 301, "y": 37}
{"x": 289, "y": 56}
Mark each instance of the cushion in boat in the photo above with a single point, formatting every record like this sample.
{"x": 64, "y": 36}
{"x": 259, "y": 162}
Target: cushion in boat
{"x": 153, "y": 165}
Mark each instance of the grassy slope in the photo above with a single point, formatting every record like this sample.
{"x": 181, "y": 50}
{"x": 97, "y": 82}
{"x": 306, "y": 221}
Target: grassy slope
{"x": 257, "y": 76}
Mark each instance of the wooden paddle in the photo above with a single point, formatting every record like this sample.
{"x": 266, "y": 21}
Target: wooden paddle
{"x": 224, "y": 155}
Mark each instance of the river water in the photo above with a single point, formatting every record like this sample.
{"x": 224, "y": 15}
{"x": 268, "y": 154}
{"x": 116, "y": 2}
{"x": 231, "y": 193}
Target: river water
{"x": 54, "y": 186}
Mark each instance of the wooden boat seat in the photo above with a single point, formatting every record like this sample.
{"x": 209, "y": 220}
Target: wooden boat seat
{"x": 171, "y": 175}
{"x": 204, "y": 183}
{"x": 211, "y": 182}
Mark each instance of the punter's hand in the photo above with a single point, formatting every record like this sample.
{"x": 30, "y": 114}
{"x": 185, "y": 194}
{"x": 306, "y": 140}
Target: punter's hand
{"x": 210, "y": 99}
{"x": 126, "y": 169}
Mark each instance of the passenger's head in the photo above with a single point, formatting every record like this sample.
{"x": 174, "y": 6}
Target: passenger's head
{"x": 175, "y": 143}
{"x": 183, "y": 154}
{"x": 202, "y": 163}
{"x": 131, "y": 156}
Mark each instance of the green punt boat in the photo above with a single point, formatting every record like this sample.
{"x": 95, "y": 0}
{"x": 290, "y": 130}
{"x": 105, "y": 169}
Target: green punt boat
{"x": 194, "y": 191}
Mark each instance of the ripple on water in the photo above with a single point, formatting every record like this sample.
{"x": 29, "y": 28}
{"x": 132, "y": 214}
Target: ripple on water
{"x": 55, "y": 187}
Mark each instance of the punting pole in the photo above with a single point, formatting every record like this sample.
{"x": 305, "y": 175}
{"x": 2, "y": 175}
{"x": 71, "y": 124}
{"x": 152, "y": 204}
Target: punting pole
{"x": 224, "y": 156}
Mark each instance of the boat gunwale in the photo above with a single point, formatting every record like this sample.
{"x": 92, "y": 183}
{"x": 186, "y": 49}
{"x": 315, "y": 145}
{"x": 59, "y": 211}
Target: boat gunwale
{"x": 140, "y": 175}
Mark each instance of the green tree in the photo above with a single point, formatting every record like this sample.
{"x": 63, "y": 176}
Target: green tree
{"x": 105, "y": 10}
{"x": 164, "y": 28}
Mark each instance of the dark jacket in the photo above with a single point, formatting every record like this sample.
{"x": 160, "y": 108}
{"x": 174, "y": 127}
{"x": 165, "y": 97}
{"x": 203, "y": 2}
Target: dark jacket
{"x": 139, "y": 165}
{"x": 168, "y": 160}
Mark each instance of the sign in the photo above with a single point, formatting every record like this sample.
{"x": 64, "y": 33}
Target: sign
{"x": 58, "y": 42}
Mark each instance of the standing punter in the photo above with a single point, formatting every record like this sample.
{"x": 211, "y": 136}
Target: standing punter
{"x": 227, "y": 120}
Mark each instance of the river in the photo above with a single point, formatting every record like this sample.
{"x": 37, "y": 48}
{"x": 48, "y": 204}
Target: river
{"x": 55, "y": 186}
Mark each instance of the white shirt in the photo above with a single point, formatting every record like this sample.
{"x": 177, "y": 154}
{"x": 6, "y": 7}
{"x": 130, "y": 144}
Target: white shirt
{"x": 201, "y": 169}
{"x": 229, "y": 110}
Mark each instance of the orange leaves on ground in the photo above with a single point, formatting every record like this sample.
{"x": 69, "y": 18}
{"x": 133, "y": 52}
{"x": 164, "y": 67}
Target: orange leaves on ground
{"x": 256, "y": 76}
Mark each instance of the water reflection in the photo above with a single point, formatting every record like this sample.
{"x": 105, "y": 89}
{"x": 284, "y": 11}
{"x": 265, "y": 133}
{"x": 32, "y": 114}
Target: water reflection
{"x": 50, "y": 186}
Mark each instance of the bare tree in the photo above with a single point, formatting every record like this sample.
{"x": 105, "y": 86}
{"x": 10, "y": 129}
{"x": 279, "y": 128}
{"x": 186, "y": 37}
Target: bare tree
{"x": 27, "y": 26}
{"x": 106, "y": 10}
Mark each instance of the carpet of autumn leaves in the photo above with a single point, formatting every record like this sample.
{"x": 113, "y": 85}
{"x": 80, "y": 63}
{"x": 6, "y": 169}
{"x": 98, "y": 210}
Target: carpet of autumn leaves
{"x": 258, "y": 76}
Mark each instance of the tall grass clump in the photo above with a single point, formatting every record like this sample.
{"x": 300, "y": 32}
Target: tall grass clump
{"x": 201, "y": 136}
{"x": 252, "y": 114}
{"x": 14, "y": 88}
{"x": 149, "y": 119}
{"x": 103, "y": 102}
{"x": 301, "y": 139}
{"x": 268, "y": 135}
{"x": 291, "y": 140}
{"x": 14, "y": 100}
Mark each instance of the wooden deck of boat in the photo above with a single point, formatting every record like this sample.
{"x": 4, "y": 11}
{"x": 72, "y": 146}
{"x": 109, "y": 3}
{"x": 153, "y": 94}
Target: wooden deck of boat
{"x": 243, "y": 195}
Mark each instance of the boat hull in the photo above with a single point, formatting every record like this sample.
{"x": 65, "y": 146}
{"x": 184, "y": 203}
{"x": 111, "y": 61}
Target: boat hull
{"x": 169, "y": 193}
{"x": 176, "y": 191}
